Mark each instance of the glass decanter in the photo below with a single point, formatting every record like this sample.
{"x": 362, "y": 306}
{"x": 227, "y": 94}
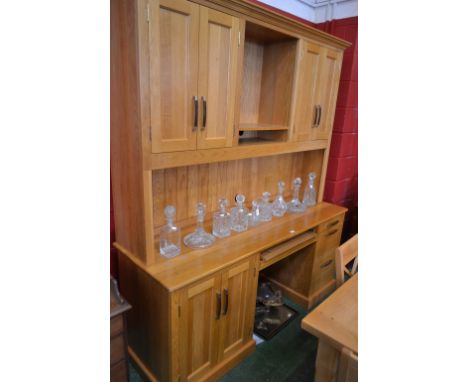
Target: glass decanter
{"x": 279, "y": 205}
{"x": 265, "y": 207}
{"x": 310, "y": 196}
{"x": 254, "y": 215}
{"x": 222, "y": 220}
{"x": 199, "y": 238}
{"x": 169, "y": 239}
{"x": 239, "y": 215}
{"x": 295, "y": 204}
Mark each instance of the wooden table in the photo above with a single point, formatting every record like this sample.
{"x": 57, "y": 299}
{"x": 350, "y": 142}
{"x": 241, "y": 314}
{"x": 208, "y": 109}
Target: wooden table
{"x": 335, "y": 323}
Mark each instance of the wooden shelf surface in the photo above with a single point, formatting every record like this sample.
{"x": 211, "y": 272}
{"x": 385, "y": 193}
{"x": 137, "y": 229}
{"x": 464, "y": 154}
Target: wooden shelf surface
{"x": 192, "y": 265}
{"x": 244, "y": 150}
{"x": 261, "y": 127}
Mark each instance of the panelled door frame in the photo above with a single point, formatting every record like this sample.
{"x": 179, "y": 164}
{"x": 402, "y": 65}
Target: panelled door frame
{"x": 187, "y": 142}
{"x": 207, "y": 84}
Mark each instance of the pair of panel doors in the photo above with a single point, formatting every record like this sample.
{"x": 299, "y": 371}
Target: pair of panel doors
{"x": 216, "y": 319}
{"x": 319, "y": 70}
{"x": 193, "y": 65}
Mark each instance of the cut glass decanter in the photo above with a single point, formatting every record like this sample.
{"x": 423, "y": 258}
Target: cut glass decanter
{"x": 199, "y": 238}
{"x": 169, "y": 239}
{"x": 222, "y": 220}
{"x": 265, "y": 207}
{"x": 295, "y": 204}
{"x": 239, "y": 215}
{"x": 310, "y": 196}
{"x": 279, "y": 205}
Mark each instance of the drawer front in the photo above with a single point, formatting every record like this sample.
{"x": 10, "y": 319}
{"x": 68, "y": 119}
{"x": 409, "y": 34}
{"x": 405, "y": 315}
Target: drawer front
{"x": 327, "y": 244}
{"x": 331, "y": 225}
{"x": 118, "y": 372}
{"x": 324, "y": 272}
{"x": 116, "y": 325}
{"x": 117, "y": 349}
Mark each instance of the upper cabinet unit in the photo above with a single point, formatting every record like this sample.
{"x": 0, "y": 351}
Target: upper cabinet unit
{"x": 319, "y": 73}
{"x": 193, "y": 52}
{"x": 267, "y": 84}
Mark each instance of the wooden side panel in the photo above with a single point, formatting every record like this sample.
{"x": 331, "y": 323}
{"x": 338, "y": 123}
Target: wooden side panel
{"x": 199, "y": 328}
{"x": 251, "y": 82}
{"x": 173, "y": 56}
{"x": 126, "y": 134}
{"x": 237, "y": 299}
{"x": 306, "y": 101}
{"x": 219, "y": 36}
{"x": 184, "y": 186}
{"x": 148, "y": 320}
{"x": 277, "y": 82}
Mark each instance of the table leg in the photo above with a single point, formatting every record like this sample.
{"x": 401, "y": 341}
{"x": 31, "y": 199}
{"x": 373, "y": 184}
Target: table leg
{"x": 326, "y": 364}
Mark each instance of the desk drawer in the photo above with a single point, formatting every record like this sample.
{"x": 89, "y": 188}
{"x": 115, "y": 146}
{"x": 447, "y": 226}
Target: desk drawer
{"x": 331, "y": 225}
{"x": 323, "y": 273}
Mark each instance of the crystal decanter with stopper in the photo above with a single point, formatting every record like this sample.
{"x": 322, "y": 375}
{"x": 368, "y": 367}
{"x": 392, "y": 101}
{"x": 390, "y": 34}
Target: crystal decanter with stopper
{"x": 254, "y": 215}
{"x": 199, "y": 238}
{"x": 265, "y": 207}
{"x": 222, "y": 220}
{"x": 279, "y": 205}
{"x": 169, "y": 239}
{"x": 239, "y": 215}
{"x": 310, "y": 196}
{"x": 295, "y": 204}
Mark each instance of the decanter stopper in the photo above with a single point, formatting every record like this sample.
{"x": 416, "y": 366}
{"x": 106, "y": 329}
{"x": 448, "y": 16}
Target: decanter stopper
{"x": 199, "y": 238}
{"x": 169, "y": 239}
{"x": 265, "y": 207}
{"x": 239, "y": 215}
{"x": 222, "y": 220}
{"x": 279, "y": 205}
{"x": 310, "y": 197}
{"x": 295, "y": 204}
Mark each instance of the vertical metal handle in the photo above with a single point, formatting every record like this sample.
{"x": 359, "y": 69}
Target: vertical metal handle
{"x": 315, "y": 116}
{"x": 319, "y": 115}
{"x": 204, "y": 113}
{"x": 218, "y": 305}
{"x": 226, "y": 298}
{"x": 195, "y": 106}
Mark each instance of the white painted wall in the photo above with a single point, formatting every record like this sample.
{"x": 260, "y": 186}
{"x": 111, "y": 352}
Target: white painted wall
{"x": 317, "y": 11}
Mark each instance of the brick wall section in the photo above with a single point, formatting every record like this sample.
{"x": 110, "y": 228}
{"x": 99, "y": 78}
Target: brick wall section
{"x": 341, "y": 185}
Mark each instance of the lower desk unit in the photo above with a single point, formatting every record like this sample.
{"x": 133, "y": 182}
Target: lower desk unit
{"x": 308, "y": 275}
{"x": 195, "y": 333}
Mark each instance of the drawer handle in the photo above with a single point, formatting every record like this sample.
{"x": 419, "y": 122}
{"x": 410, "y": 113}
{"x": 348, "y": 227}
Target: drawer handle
{"x": 204, "y": 113}
{"x": 218, "y": 305}
{"x": 332, "y": 232}
{"x": 226, "y": 298}
{"x": 195, "y": 108}
{"x": 333, "y": 224}
{"x": 324, "y": 265}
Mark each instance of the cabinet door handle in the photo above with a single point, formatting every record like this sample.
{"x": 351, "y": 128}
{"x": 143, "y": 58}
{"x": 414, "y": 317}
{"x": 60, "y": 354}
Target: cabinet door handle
{"x": 195, "y": 108}
{"x": 218, "y": 305}
{"x": 226, "y": 298}
{"x": 332, "y": 232}
{"x": 315, "y": 116}
{"x": 204, "y": 112}
{"x": 324, "y": 265}
{"x": 319, "y": 115}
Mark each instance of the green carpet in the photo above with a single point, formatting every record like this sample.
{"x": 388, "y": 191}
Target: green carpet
{"x": 287, "y": 357}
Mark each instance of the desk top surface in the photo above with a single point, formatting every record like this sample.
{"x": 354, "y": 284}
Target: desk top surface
{"x": 336, "y": 319}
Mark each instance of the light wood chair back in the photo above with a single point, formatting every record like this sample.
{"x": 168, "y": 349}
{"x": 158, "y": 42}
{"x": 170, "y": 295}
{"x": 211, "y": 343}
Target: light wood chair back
{"x": 347, "y": 367}
{"x": 344, "y": 254}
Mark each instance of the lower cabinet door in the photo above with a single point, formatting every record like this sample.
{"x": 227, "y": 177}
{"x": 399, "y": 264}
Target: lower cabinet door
{"x": 238, "y": 303}
{"x": 200, "y": 315}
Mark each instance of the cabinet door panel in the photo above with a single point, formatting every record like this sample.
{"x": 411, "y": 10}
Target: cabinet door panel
{"x": 199, "y": 328}
{"x": 306, "y": 100}
{"x": 236, "y": 290}
{"x": 217, "y": 77}
{"x": 173, "y": 40}
{"x": 329, "y": 77}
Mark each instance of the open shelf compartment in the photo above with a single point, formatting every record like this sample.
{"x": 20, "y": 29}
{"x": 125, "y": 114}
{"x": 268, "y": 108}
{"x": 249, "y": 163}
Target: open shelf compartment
{"x": 267, "y": 86}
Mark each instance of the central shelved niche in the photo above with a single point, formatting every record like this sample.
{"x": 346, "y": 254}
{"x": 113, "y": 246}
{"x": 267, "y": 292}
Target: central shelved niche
{"x": 267, "y": 85}
{"x": 184, "y": 186}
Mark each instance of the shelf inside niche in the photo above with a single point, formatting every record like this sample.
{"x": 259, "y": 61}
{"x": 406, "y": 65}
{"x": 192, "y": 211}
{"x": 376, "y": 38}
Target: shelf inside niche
{"x": 253, "y": 137}
{"x": 261, "y": 127}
